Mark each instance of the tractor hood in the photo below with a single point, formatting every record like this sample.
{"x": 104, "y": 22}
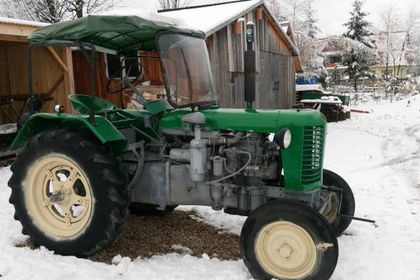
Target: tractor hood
{"x": 247, "y": 120}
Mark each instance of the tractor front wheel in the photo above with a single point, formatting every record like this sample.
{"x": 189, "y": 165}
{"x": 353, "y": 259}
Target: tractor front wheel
{"x": 284, "y": 239}
{"x": 68, "y": 192}
{"x": 339, "y": 202}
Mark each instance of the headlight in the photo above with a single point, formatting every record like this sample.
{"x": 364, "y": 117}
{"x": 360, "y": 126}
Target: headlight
{"x": 283, "y": 138}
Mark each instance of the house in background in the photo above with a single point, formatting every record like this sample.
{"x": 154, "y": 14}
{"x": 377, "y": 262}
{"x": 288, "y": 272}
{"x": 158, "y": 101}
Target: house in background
{"x": 277, "y": 59}
{"x": 395, "y": 48}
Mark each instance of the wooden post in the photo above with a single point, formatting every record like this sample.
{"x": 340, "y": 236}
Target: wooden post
{"x": 69, "y": 87}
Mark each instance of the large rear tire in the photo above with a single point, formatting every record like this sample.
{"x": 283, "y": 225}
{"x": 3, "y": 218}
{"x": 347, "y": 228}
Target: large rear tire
{"x": 284, "y": 239}
{"x": 339, "y": 203}
{"x": 68, "y": 192}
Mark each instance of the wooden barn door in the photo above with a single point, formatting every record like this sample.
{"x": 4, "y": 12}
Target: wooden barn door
{"x": 275, "y": 84}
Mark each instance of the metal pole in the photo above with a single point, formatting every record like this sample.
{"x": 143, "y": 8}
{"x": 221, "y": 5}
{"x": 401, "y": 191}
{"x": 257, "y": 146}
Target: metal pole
{"x": 93, "y": 60}
{"x": 30, "y": 70}
{"x": 249, "y": 66}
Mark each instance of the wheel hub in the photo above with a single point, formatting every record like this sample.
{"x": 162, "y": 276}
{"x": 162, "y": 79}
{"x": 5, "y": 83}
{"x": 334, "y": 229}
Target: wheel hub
{"x": 330, "y": 212}
{"x": 286, "y": 250}
{"x": 58, "y": 196}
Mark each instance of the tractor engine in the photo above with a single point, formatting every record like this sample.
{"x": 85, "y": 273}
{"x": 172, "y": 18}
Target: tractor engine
{"x": 244, "y": 158}
{"x": 226, "y": 169}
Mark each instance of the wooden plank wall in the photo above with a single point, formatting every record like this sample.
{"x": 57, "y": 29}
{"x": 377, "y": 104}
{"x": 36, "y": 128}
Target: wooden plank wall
{"x": 83, "y": 78}
{"x": 14, "y": 82}
{"x": 276, "y": 74}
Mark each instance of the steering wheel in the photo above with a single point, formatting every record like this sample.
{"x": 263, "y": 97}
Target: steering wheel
{"x": 119, "y": 73}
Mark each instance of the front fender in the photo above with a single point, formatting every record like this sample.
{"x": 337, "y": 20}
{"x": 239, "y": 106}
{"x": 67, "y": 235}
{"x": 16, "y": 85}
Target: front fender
{"x": 103, "y": 129}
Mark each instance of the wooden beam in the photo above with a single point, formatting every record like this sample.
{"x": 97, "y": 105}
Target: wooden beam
{"x": 56, "y": 85}
{"x": 58, "y": 59}
{"x": 16, "y": 29}
{"x": 13, "y": 38}
{"x": 69, "y": 62}
{"x": 69, "y": 86}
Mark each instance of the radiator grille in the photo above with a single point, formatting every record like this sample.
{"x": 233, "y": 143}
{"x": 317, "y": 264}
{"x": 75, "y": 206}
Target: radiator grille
{"x": 313, "y": 142}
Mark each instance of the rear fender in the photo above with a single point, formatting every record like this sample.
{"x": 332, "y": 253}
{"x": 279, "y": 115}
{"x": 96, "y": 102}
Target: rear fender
{"x": 103, "y": 129}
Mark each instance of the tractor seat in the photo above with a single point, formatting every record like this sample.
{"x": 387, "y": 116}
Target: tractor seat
{"x": 82, "y": 103}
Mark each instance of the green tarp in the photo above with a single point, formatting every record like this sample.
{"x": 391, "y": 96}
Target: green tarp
{"x": 118, "y": 33}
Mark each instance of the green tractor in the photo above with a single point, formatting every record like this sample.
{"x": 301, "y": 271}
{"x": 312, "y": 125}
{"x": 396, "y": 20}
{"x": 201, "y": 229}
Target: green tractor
{"x": 77, "y": 175}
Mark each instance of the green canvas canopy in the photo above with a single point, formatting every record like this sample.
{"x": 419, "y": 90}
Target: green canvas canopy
{"x": 121, "y": 34}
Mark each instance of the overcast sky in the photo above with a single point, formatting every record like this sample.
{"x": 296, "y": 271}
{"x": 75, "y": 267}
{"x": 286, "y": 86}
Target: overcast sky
{"x": 332, "y": 14}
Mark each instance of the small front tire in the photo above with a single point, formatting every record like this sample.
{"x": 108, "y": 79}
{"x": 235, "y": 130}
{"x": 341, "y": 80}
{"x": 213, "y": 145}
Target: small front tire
{"x": 343, "y": 203}
{"x": 285, "y": 239}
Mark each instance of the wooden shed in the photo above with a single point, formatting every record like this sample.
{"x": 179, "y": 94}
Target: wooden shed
{"x": 52, "y": 71}
{"x": 277, "y": 56}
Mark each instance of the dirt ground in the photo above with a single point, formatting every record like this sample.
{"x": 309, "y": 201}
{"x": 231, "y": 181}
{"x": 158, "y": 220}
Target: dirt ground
{"x": 148, "y": 236}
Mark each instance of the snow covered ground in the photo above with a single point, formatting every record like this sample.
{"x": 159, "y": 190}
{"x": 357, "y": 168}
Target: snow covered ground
{"x": 377, "y": 153}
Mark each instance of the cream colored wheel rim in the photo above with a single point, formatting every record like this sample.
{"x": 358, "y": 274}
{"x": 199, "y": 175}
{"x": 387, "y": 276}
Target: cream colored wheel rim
{"x": 58, "y": 196}
{"x": 285, "y": 250}
{"x": 331, "y": 211}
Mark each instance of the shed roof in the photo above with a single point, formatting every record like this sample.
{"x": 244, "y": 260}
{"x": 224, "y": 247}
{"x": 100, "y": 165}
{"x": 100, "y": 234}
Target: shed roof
{"x": 17, "y": 30}
{"x": 22, "y": 22}
{"x": 211, "y": 18}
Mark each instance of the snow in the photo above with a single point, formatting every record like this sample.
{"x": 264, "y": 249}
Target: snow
{"x": 143, "y": 13}
{"x": 211, "y": 19}
{"x": 22, "y": 22}
{"x": 377, "y": 153}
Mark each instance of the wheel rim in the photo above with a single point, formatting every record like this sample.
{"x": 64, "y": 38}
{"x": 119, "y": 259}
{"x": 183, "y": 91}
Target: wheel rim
{"x": 58, "y": 196}
{"x": 331, "y": 211}
{"x": 285, "y": 250}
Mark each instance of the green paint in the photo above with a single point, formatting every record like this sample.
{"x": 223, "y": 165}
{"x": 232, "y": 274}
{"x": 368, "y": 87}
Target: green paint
{"x": 265, "y": 121}
{"x": 103, "y": 130}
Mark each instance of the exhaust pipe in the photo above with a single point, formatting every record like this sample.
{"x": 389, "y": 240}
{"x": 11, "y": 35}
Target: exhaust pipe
{"x": 249, "y": 66}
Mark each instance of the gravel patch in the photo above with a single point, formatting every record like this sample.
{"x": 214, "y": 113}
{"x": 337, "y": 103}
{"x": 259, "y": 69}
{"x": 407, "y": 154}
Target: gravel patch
{"x": 179, "y": 232}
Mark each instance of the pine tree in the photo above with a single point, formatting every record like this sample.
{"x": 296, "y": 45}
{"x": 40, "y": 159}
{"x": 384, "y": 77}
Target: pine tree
{"x": 358, "y": 31}
{"x": 358, "y": 26}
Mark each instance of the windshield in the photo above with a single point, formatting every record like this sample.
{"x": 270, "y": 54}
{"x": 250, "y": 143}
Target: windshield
{"x": 186, "y": 69}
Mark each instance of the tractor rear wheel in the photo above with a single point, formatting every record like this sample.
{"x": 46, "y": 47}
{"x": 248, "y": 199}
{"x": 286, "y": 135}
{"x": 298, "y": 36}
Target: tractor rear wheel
{"x": 339, "y": 203}
{"x": 68, "y": 192}
{"x": 284, "y": 239}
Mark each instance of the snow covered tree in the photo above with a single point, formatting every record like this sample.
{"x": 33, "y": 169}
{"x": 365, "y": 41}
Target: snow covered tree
{"x": 355, "y": 55}
{"x": 358, "y": 26}
{"x": 80, "y": 8}
{"x": 55, "y": 10}
{"x": 275, "y": 8}
{"x": 355, "y": 58}
{"x": 389, "y": 50}
{"x": 173, "y": 4}
{"x": 310, "y": 25}
{"x": 293, "y": 11}
{"x": 310, "y": 52}
{"x": 302, "y": 17}
{"x": 42, "y": 10}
